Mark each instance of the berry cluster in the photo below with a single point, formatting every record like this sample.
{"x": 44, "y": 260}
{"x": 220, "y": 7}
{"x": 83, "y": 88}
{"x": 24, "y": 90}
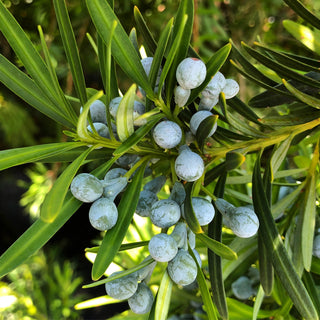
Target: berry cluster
{"x": 176, "y": 243}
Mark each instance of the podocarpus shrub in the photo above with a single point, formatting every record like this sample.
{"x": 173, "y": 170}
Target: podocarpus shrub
{"x": 158, "y": 186}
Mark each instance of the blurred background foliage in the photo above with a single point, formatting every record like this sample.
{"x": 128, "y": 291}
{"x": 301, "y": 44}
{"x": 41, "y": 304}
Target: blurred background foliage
{"x": 48, "y": 286}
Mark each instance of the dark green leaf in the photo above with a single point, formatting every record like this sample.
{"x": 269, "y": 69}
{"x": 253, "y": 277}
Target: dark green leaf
{"x": 147, "y": 36}
{"x": 205, "y": 293}
{"x": 281, "y": 261}
{"x": 312, "y": 289}
{"x": 183, "y": 37}
{"x": 189, "y": 214}
{"x": 234, "y": 160}
{"x": 214, "y": 260}
{"x": 113, "y": 238}
{"x": 14, "y": 157}
{"x": 250, "y": 69}
{"x": 239, "y": 106}
{"x": 28, "y": 55}
{"x": 280, "y": 69}
{"x": 309, "y": 100}
{"x": 122, "y": 49}
{"x": 25, "y": 88}
{"x": 70, "y": 48}
{"x": 163, "y": 298}
{"x": 303, "y": 12}
{"x": 217, "y": 247}
{"x": 204, "y": 129}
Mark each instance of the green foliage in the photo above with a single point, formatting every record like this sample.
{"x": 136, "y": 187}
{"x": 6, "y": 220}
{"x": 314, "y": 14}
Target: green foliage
{"x": 264, "y": 153}
{"x": 33, "y": 290}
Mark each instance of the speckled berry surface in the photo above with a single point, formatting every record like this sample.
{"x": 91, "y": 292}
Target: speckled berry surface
{"x": 181, "y": 96}
{"x": 215, "y": 86}
{"x": 182, "y": 269}
{"x": 190, "y": 73}
{"x": 146, "y": 200}
{"x": 162, "y": 247}
{"x": 243, "y": 222}
{"x": 122, "y": 288}
{"x": 189, "y": 166}
{"x": 203, "y": 210}
{"x": 86, "y": 187}
{"x": 103, "y": 214}
{"x": 141, "y": 302}
{"x": 167, "y": 134}
{"x": 231, "y": 88}
{"x": 165, "y": 213}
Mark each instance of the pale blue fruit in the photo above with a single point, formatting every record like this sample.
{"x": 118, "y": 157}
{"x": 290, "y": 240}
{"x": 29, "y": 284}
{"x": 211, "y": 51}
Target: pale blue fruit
{"x": 182, "y": 269}
{"x": 203, "y": 210}
{"x": 86, "y": 187}
{"x": 122, "y": 288}
{"x": 165, "y": 213}
{"x": 141, "y": 302}
{"x": 162, "y": 247}
{"x": 146, "y": 200}
{"x": 190, "y": 73}
{"x": 103, "y": 214}
{"x": 167, "y": 134}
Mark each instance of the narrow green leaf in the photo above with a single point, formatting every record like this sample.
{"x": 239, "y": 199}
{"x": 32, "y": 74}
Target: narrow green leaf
{"x": 214, "y": 173}
{"x": 303, "y": 12}
{"x": 113, "y": 238}
{"x": 217, "y": 247}
{"x": 186, "y": 9}
{"x": 265, "y": 266}
{"x": 312, "y": 289}
{"x": 279, "y": 68}
{"x": 246, "y": 249}
{"x": 279, "y": 155}
{"x": 257, "y": 303}
{"x": 309, "y": 100}
{"x": 159, "y": 54}
{"x": 82, "y": 130}
{"x": 213, "y": 65}
{"x": 125, "y": 126}
{"x": 107, "y": 68}
{"x": 40, "y": 232}
{"x": 286, "y": 60}
{"x": 281, "y": 261}
{"x": 171, "y": 58}
{"x": 309, "y": 212}
{"x": 240, "y": 311}
{"x": 230, "y": 134}
{"x": 25, "y": 88}
{"x": 250, "y": 68}
{"x": 283, "y": 94}
{"x": 14, "y": 157}
{"x": 53, "y": 201}
{"x": 27, "y": 53}
{"x": 239, "y": 106}
{"x": 234, "y": 160}
{"x": 137, "y": 135}
{"x": 123, "y": 247}
{"x": 150, "y": 43}
{"x": 189, "y": 214}
{"x": 163, "y": 298}
{"x": 70, "y": 48}
{"x": 66, "y": 106}
{"x": 204, "y": 129}
{"x": 205, "y": 294}
{"x": 214, "y": 261}
{"x": 122, "y": 49}
{"x": 280, "y": 95}
{"x": 122, "y": 274}
{"x": 134, "y": 40}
